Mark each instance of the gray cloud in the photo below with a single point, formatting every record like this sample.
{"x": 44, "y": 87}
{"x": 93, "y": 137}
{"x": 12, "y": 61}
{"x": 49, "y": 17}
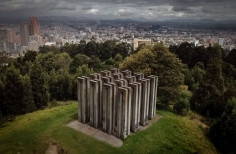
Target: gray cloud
{"x": 86, "y": 8}
{"x": 180, "y": 8}
{"x": 151, "y": 9}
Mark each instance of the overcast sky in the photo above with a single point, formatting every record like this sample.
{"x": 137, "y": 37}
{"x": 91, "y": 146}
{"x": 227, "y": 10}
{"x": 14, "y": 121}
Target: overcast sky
{"x": 114, "y": 9}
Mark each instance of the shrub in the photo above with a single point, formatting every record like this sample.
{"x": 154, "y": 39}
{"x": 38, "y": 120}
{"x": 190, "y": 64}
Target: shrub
{"x": 182, "y": 106}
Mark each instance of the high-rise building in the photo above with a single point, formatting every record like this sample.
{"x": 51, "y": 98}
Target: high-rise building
{"x": 57, "y": 29}
{"x": 24, "y": 33}
{"x": 34, "y": 26}
{"x": 18, "y": 39}
{"x": 221, "y": 42}
{"x": 11, "y": 34}
{"x": 3, "y": 36}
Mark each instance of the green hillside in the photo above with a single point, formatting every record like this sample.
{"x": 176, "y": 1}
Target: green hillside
{"x": 34, "y": 132}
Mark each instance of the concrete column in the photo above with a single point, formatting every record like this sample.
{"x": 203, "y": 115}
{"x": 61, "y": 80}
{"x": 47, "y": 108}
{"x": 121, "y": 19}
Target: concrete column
{"x": 99, "y": 76}
{"x": 130, "y": 79}
{"x": 121, "y": 113}
{"x": 125, "y": 83}
{"x": 80, "y": 94}
{"x": 144, "y": 102}
{"x": 93, "y": 76}
{"x": 130, "y": 91}
{"x": 114, "y": 107}
{"x": 117, "y": 76}
{"x": 155, "y": 97}
{"x": 83, "y": 99}
{"x": 139, "y": 76}
{"x": 115, "y": 70}
{"x": 117, "y": 108}
{"x": 106, "y": 79}
{"x": 152, "y": 100}
{"x": 105, "y": 73}
{"x": 148, "y": 98}
{"x": 139, "y": 102}
{"x": 135, "y": 106}
{"x": 100, "y": 86}
{"x": 126, "y": 73}
{"x": 107, "y": 108}
{"x": 87, "y": 87}
{"x": 94, "y": 103}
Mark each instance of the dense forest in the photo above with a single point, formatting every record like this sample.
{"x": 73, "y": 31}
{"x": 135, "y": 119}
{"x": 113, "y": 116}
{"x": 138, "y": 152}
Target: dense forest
{"x": 190, "y": 78}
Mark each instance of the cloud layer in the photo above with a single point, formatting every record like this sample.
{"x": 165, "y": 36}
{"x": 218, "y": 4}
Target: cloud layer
{"x": 133, "y": 9}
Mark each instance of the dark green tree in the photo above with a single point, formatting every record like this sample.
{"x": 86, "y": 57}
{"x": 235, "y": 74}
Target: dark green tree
{"x": 64, "y": 84}
{"x": 173, "y": 48}
{"x": 1, "y": 98}
{"x": 229, "y": 74}
{"x": 53, "y": 84}
{"x": 199, "y": 55}
{"x": 124, "y": 49}
{"x": 157, "y": 60}
{"x": 91, "y": 49}
{"x": 78, "y": 60}
{"x": 184, "y": 52}
{"x": 117, "y": 60}
{"x": 46, "y": 61}
{"x": 219, "y": 107}
{"x": 69, "y": 48}
{"x": 39, "y": 82}
{"x": 28, "y": 104}
{"x": 46, "y": 49}
{"x": 223, "y": 131}
{"x": 231, "y": 57}
{"x": 95, "y": 63}
{"x": 83, "y": 70}
{"x": 80, "y": 48}
{"x": 62, "y": 62}
{"x": 193, "y": 77}
{"x": 13, "y": 91}
{"x": 106, "y": 49}
{"x": 211, "y": 86}
{"x": 30, "y": 56}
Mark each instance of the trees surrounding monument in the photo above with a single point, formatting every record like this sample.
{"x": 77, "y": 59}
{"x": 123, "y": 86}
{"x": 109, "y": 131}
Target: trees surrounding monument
{"x": 13, "y": 92}
{"x": 223, "y": 130}
{"x": 157, "y": 60}
{"x": 29, "y": 82}
{"x": 211, "y": 87}
{"x": 39, "y": 82}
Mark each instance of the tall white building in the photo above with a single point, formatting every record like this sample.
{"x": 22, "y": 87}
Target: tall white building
{"x": 221, "y": 42}
{"x": 33, "y": 45}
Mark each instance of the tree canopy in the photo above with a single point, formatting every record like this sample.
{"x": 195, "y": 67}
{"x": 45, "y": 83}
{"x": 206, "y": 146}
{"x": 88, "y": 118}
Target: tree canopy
{"x": 157, "y": 60}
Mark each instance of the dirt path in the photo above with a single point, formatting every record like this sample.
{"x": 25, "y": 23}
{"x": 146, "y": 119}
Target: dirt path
{"x": 52, "y": 149}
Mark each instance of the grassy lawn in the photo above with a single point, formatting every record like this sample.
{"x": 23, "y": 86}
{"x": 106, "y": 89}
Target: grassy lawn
{"x": 32, "y": 133}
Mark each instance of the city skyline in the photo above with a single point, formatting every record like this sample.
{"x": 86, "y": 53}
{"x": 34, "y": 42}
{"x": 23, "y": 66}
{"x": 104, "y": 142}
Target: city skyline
{"x": 122, "y": 9}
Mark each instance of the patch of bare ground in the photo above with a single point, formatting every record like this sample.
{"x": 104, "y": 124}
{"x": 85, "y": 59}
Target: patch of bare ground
{"x": 100, "y": 135}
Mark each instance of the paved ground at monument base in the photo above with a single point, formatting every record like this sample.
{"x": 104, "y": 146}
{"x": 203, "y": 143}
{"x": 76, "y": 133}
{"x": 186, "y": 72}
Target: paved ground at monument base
{"x": 100, "y": 135}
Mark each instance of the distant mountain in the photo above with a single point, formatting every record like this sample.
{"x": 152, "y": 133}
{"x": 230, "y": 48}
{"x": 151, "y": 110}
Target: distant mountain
{"x": 208, "y": 20}
{"x": 61, "y": 18}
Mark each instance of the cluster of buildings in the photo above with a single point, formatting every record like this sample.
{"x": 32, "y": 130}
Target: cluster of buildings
{"x": 27, "y": 37}
{"x": 31, "y": 35}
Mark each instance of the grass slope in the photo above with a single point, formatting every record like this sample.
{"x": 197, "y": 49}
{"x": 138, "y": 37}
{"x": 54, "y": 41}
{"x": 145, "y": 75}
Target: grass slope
{"x": 32, "y": 133}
